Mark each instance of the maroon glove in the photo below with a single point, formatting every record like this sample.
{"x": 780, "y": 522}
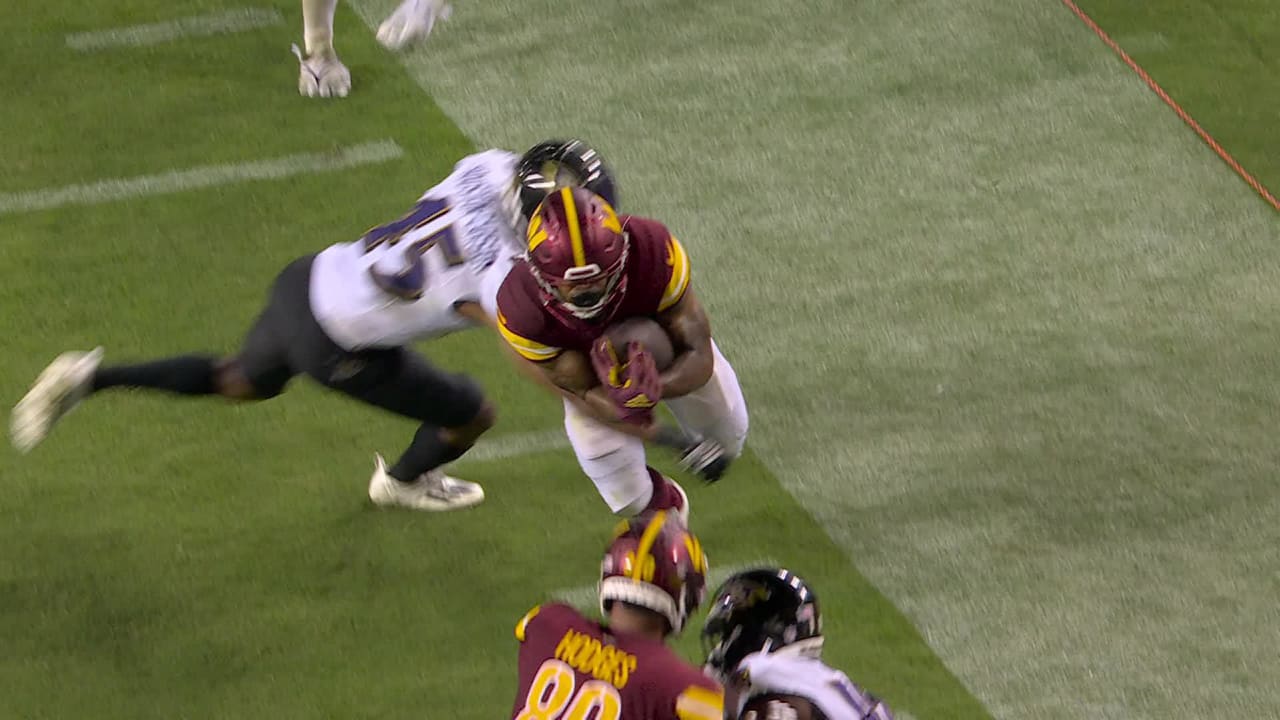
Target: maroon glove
{"x": 634, "y": 387}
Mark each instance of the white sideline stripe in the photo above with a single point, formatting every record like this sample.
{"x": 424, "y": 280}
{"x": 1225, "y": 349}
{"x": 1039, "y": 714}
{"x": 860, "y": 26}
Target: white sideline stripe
{"x": 584, "y": 597}
{"x": 200, "y": 177}
{"x": 515, "y": 445}
{"x": 228, "y": 21}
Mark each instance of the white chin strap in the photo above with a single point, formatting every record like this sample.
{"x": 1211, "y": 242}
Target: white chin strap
{"x": 643, "y": 594}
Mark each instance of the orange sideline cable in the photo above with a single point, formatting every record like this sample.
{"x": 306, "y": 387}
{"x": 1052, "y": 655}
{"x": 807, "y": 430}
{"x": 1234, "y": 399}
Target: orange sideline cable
{"x": 1186, "y": 117}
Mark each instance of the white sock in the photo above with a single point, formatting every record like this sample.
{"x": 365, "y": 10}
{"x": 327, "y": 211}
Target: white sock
{"x": 317, "y": 25}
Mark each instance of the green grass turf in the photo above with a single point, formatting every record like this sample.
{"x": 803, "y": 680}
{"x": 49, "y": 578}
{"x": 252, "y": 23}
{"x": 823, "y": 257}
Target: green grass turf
{"x": 1006, "y": 324}
{"x": 183, "y": 558}
{"x": 1218, "y": 59}
{"x": 1057, "y": 463}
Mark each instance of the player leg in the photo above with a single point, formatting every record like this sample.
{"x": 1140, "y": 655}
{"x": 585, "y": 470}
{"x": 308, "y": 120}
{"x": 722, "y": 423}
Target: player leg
{"x": 453, "y": 413}
{"x": 716, "y": 411}
{"x": 322, "y": 74}
{"x": 258, "y": 372}
{"x": 615, "y": 462}
{"x": 451, "y": 408}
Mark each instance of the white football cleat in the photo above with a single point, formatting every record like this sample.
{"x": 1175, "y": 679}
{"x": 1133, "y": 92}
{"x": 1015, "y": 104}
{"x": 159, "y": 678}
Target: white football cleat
{"x": 322, "y": 75}
{"x": 433, "y": 490}
{"x": 62, "y": 385}
{"x": 412, "y": 22}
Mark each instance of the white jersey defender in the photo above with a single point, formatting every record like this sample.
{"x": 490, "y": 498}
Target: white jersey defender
{"x": 790, "y": 675}
{"x": 763, "y": 638}
{"x": 402, "y": 281}
{"x": 346, "y": 318}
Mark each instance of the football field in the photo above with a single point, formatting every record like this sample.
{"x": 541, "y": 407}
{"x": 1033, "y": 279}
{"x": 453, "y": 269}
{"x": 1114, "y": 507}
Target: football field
{"x": 1006, "y": 326}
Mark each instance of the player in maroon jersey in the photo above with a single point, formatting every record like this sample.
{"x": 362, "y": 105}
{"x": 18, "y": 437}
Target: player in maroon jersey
{"x": 652, "y": 579}
{"x": 586, "y": 268}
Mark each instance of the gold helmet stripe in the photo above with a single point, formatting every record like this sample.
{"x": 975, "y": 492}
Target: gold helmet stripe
{"x": 696, "y": 556}
{"x": 575, "y": 232}
{"x": 645, "y": 548}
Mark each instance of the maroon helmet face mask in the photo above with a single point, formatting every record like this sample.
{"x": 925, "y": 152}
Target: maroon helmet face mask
{"x": 577, "y": 250}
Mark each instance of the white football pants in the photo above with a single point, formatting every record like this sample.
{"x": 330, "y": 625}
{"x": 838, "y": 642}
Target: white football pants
{"x": 615, "y": 461}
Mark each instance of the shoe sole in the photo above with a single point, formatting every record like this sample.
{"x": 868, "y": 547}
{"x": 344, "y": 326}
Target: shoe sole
{"x": 386, "y": 500}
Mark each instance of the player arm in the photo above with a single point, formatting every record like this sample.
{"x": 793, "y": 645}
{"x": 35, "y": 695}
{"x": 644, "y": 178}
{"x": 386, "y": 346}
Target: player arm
{"x": 474, "y": 312}
{"x": 565, "y": 374}
{"x": 569, "y": 374}
{"x": 690, "y": 330}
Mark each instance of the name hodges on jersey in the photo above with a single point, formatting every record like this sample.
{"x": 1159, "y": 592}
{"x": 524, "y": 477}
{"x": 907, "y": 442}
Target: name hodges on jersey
{"x": 589, "y": 656}
{"x": 571, "y": 667}
{"x": 401, "y": 281}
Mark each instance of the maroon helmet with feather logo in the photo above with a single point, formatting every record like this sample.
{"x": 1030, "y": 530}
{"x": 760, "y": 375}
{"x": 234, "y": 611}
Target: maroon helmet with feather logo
{"x": 654, "y": 562}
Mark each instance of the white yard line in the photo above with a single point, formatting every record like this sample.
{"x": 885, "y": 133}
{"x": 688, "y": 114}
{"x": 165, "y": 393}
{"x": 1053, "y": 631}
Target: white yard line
{"x": 203, "y": 176}
{"x": 515, "y": 445}
{"x": 584, "y": 596}
{"x": 228, "y": 21}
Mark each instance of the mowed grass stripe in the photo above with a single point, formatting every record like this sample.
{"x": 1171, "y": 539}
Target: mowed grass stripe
{"x": 1173, "y": 104}
{"x": 969, "y": 271}
{"x": 1217, "y": 59}
{"x": 667, "y": 140}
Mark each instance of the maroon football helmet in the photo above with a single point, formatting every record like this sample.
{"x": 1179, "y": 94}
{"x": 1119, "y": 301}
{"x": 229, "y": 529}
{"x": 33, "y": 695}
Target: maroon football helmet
{"x": 656, "y": 563}
{"x": 577, "y": 250}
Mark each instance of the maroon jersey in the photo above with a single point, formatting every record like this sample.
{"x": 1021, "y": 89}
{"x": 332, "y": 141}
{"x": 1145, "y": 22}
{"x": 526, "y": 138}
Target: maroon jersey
{"x": 657, "y": 276}
{"x": 572, "y": 667}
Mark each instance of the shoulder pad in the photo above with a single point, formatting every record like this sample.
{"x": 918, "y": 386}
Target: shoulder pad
{"x": 523, "y": 625}
{"x": 698, "y": 702}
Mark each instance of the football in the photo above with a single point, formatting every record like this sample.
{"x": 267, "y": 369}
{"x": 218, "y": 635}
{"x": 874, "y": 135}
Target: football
{"x": 646, "y": 332}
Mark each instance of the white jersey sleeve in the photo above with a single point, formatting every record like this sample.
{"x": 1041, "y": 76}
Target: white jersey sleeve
{"x": 829, "y": 689}
{"x": 401, "y": 281}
